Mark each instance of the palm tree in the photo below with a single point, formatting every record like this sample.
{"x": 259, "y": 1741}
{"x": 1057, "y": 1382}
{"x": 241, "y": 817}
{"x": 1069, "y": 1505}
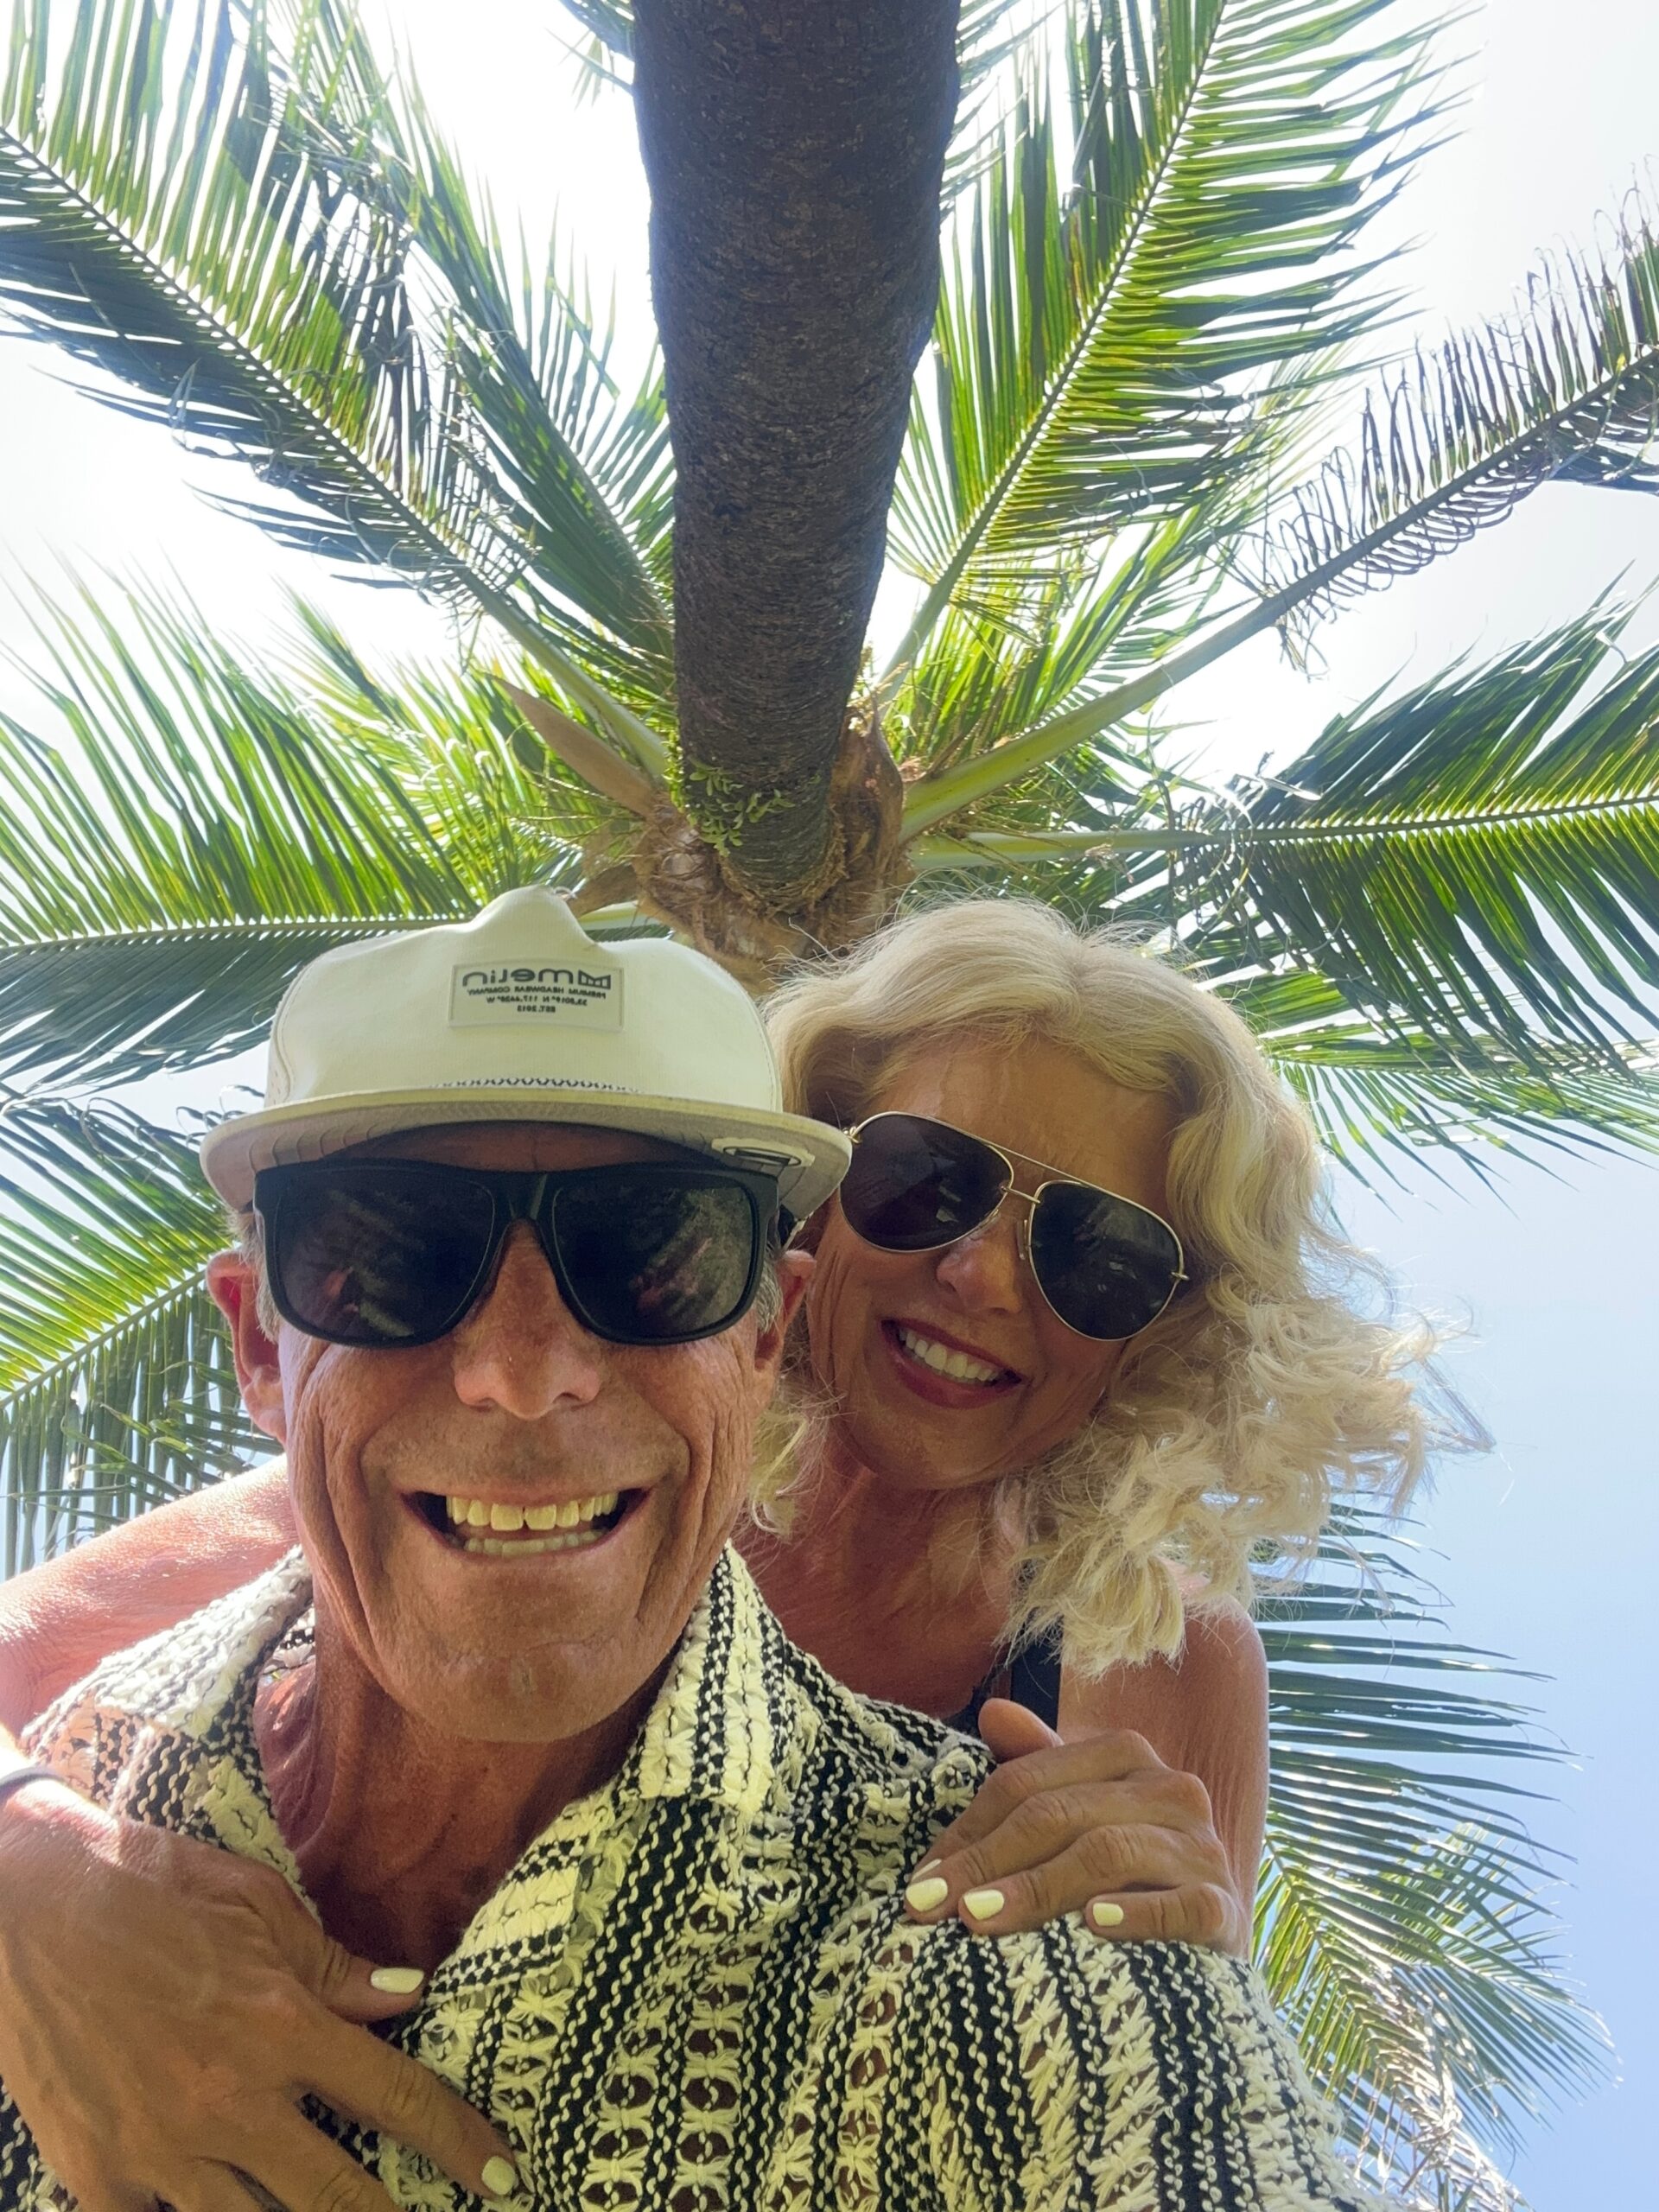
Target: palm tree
{"x": 1148, "y": 426}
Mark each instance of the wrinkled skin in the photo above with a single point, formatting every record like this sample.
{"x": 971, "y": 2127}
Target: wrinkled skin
{"x": 456, "y": 1702}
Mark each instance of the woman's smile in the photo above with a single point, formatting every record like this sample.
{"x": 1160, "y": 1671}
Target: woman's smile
{"x": 943, "y": 1368}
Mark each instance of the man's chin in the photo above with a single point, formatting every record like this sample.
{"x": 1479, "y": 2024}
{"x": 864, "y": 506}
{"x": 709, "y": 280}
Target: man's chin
{"x": 495, "y": 1697}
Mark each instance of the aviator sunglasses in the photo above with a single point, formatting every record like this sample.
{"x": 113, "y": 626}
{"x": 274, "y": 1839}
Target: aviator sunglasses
{"x": 1107, "y": 1267}
{"x": 395, "y": 1253}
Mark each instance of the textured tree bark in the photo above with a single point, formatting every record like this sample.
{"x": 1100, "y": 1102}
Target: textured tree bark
{"x": 795, "y": 149}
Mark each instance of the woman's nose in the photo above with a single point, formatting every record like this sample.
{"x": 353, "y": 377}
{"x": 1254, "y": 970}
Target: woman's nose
{"x": 520, "y": 1347}
{"x": 985, "y": 1270}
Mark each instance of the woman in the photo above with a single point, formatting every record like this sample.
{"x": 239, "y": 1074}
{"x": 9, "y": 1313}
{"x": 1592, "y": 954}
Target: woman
{"x": 1076, "y": 1345}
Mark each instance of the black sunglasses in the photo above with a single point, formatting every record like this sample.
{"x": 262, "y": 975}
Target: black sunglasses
{"x": 1107, "y": 1267}
{"x": 392, "y": 1253}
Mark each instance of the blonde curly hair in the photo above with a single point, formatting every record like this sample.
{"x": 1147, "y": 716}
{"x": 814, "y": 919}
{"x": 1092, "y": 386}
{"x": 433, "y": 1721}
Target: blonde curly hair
{"x": 1263, "y": 1388}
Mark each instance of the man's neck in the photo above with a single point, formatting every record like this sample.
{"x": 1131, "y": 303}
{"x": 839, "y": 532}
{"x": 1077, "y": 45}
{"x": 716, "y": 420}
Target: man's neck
{"x": 400, "y": 1832}
{"x": 896, "y": 1591}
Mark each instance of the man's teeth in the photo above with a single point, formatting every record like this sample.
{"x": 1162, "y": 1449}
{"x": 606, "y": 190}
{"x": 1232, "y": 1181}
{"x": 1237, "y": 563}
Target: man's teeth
{"x": 507, "y": 1520}
{"x": 956, "y": 1365}
{"x": 507, "y": 1525}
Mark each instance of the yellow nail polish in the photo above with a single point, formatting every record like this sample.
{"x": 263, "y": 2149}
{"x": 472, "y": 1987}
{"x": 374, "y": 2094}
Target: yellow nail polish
{"x": 1104, "y": 1914}
{"x": 922, "y": 1896}
{"x": 396, "y": 1981}
{"x": 927, "y": 1867}
{"x": 499, "y": 2177}
{"x": 984, "y": 1902}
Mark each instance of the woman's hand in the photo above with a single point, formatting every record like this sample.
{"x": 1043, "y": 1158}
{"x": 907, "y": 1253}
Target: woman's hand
{"x": 1101, "y": 1826}
{"x": 165, "y": 2006}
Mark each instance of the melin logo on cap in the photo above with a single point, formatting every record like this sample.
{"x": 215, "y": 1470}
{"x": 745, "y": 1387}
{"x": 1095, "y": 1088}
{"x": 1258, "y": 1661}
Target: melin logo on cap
{"x": 517, "y": 990}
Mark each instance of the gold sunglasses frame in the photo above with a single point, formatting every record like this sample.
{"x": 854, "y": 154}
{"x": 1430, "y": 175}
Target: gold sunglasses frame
{"x": 1031, "y": 1197}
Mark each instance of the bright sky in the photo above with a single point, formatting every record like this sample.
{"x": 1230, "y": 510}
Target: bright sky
{"x": 1548, "y": 1544}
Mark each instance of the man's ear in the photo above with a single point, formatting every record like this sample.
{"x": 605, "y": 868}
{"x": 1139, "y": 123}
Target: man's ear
{"x": 794, "y": 1272}
{"x": 235, "y": 1289}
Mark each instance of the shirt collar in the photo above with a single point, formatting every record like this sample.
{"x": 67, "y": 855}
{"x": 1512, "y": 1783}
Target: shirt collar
{"x": 722, "y": 1721}
{"x": 716, "y": 1732}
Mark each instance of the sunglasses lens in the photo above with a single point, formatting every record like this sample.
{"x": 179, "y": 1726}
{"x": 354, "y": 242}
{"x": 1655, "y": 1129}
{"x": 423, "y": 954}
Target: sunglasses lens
{"x": 377, "y": 1255}
{"x": 1106, "y": 1266}
{"x": 914, "y": 1183}
{"x": 659, "y": 1257}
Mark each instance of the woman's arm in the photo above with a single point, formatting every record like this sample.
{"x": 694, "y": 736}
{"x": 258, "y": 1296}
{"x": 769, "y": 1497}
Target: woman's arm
{"x": 1204, "y": 1713}
{"x": 59, "y": 1620}
{"x": 1146, "y": 1814}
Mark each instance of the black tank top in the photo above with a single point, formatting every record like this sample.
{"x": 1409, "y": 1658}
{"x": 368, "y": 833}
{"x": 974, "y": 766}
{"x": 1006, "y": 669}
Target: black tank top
{"x": 1033, "y": 1678}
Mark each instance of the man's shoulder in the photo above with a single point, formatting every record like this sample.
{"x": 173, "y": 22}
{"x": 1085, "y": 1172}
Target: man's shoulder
{"x": 1120, "y": 2074}
{"x": 834, "y": 1747}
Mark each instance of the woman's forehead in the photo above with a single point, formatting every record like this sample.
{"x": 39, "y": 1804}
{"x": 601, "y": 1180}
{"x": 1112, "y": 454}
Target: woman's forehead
{"x": 1036, "y": 1096}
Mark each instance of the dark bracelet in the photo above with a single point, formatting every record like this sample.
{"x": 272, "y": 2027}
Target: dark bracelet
{"x": 17, "y": 1776}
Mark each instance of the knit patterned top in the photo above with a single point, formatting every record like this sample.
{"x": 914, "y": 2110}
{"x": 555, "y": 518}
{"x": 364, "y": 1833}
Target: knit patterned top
{"x": 696, "y": 1991}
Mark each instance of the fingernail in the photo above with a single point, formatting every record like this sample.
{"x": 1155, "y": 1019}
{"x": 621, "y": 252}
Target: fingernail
{"x": 984, "y": 1902}
{"x": 922, "y": 1896}
{"x": 1104, "y": 1914}
{"x": 396, "y": 1981}
{"x": 928, "y": 1865}
{"x": 500, "y": 2177}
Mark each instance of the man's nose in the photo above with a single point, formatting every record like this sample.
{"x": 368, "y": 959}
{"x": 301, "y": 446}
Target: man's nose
{"x": 985, "y": 1270}
{"x": 521, "y": 1348}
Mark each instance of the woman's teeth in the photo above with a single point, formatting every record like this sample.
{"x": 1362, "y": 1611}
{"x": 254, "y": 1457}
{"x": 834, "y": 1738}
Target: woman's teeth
{"x": 468, "y": 1514}
{"x": 958, "y": 1365}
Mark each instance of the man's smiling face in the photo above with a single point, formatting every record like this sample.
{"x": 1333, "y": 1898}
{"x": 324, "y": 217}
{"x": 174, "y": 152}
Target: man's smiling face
{"x": 522, "y": 1410}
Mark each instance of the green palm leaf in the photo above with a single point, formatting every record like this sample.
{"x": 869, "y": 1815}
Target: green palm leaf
{"x": 1100, "y": 341}
{"x": 208, "y": 829}
{"x": 174, "y": 213}
{"x": 266, "y": 246}
{"x": 1478, "y": 855}
{"x": 1402, "y": 1921}
{"x": 1369, "y": 1096}
{"x": 585, "y": 476}
{"x": 117, "y": 1388}
{"x": 1474, "y": 860}
{"x": 1568, "y": 389}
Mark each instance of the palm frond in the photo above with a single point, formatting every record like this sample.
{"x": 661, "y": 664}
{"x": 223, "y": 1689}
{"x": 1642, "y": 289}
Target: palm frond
{"x": 208, "y": 829}
{"x": 116, "y": 1388}
{"x": 1569, "y": 390}
{"x": 220, "y": 228}
{"x": 1032, "y": 643}
{"x": 1402, "y": 1922}
{"x": 1101, "y": 341}
{"x": 263, "y": 244}
{"x": 585, "y": 474}
{"x": 1564, "y": 391}
{"x": 1372, "y": 1098}
{"x": 1477, "y": 855}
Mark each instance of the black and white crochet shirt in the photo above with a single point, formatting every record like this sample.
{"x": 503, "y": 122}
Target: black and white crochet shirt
{"x": 696, "y": 1991}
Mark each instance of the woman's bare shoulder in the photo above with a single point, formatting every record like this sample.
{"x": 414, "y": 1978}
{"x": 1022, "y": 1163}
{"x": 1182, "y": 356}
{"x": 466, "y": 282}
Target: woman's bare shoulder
{"x": 1216, "y": 1684}
{"x": 58, "y": 1620}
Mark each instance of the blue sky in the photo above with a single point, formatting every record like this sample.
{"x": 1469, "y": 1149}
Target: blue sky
{"x": 1548, "y": 1544}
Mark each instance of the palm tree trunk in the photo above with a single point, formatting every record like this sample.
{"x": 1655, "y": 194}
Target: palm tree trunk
{"x": 795, "y": 149}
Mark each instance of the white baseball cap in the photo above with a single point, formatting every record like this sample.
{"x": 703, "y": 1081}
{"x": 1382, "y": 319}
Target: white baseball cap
{"x": 519, "y": 1015}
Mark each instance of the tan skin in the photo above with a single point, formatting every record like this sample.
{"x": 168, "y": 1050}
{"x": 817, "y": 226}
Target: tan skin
{"x": 1151, "y": 1800}
{"x": 455, "y": 1704}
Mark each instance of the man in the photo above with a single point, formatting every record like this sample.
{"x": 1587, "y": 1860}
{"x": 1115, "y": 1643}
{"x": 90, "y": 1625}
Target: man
{"x": 516, "y": 1714}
